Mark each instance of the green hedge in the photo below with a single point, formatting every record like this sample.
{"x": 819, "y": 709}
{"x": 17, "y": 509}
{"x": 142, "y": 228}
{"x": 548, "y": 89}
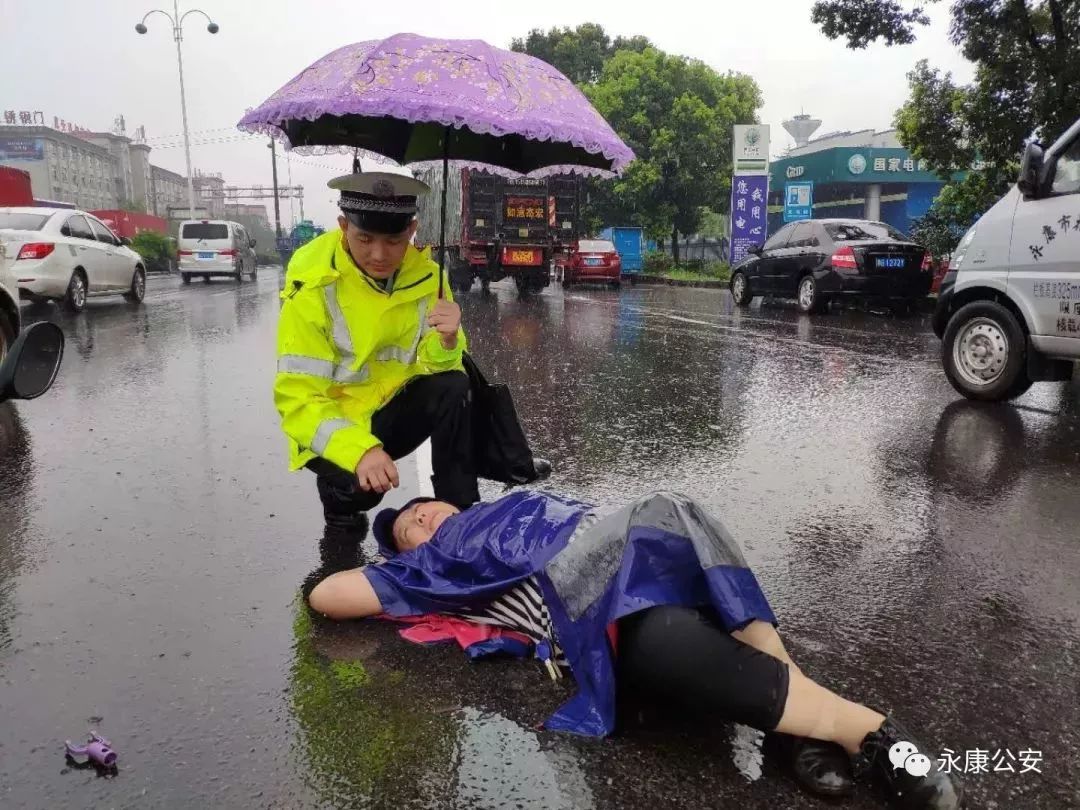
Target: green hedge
{"x": 157, "y": 250}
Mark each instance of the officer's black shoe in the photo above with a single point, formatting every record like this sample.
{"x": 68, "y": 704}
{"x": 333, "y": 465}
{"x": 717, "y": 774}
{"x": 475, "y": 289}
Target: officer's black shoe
{"x": 933, "y": 791}
{"x": 340, "y": 548}
{"x": 822, "y": 768}
{"x": 354, "y": 523}
{"x": 541, "y": 469}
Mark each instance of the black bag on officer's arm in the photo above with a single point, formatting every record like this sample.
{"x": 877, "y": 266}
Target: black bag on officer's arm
{"x": 501, "y": 451}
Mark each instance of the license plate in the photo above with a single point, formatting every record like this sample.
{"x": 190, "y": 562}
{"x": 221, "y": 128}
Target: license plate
{"x": 522, "y": 256}
{"x": 593, "y": 262}
{"x": 207, "y": 255}
{"x": 889, "y": 262}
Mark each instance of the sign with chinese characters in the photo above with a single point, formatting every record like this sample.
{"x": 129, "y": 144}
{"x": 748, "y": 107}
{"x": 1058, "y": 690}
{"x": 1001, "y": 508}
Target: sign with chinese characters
{"x": 749, "y": 194}
{"x": 850, "y": 164}
{"x": 24, "y": 118}
{"x": 36, "y": 118}
{"x": 525, "y": 208}
{"x": 798, "y": 201}
{"x": 751, "y": 148}
{"x": 22, "y": 149}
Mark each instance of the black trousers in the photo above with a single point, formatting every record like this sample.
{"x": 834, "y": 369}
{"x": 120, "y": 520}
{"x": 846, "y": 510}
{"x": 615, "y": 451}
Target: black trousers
{"x": 683, "y": 658}
{"x": 436, "y": 406}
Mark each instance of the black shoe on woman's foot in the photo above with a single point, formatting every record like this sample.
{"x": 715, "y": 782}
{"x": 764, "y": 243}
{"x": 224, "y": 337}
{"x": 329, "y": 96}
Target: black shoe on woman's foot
{"x": 823, "y": 768}
{"x": 933, "y": 791}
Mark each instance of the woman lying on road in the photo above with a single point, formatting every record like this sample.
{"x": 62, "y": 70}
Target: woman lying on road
{"x": 656, "y": 597}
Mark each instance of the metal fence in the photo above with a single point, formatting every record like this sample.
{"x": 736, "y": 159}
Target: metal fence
{"x": 704, "y": 250}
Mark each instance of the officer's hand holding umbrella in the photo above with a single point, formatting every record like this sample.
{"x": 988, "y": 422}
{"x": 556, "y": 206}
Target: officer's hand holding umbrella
{"x": 417, "y": 101}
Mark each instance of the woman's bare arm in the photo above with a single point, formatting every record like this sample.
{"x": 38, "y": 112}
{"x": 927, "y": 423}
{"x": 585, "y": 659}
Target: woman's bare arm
{"x": 345, "y": 595}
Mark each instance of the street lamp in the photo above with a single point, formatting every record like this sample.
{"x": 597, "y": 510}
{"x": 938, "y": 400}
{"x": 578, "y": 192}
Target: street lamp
{"x": 177, "y": 24}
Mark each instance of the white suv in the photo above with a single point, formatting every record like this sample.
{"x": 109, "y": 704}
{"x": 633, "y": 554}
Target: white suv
{"x": 66, "y": 255}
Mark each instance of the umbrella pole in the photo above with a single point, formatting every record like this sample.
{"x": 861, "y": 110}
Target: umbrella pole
{"x": 442, "y": 212}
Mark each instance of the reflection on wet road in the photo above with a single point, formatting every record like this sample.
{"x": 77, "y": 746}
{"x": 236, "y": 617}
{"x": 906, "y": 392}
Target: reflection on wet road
{"x": 923, "y": 555}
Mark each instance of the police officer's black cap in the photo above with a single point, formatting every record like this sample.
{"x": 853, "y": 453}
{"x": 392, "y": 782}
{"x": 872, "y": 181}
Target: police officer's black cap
{"x": 379, "y": 202}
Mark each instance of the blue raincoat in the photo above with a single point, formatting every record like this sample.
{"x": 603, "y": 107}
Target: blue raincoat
{"x": 663, "y": 549}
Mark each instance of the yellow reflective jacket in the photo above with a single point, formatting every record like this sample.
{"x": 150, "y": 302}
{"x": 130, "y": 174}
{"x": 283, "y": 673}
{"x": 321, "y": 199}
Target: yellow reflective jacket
{"x": 345, "y": 347}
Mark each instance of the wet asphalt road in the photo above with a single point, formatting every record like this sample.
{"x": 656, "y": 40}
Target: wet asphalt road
{"x": 923, "y": 556}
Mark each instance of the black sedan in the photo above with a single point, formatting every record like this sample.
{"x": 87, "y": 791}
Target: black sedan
{"x": 814, "y": 261}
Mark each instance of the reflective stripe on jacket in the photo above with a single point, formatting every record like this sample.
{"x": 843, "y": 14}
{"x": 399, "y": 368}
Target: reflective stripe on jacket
{"x": 346, "y": 346}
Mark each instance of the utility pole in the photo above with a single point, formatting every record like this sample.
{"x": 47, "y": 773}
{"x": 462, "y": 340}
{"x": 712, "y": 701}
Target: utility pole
{"x": 277, "y": 204}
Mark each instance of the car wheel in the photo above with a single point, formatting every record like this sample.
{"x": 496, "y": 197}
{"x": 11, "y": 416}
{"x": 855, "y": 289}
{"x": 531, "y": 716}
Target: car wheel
{"x": 7, "y": 334}
{"x": 138, "y": 287}
{"x": 740, "y": 289}
{"x": 186, "y": 277}
{"x": 616, "y": 284}
{"x": 808, "y": 298}
{"x": 75, "y": 298}
{"x": 984, "y": 352}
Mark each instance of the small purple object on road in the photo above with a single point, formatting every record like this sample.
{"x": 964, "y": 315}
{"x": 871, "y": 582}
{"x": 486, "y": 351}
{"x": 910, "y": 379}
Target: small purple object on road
{"x": 97, "y": 749}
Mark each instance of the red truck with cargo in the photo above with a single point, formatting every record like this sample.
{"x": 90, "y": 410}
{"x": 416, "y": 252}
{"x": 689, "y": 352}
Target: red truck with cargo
{"x": 15, "y": 187}
{"x": 129, "y": 223}
{"x": 499, "y": 227}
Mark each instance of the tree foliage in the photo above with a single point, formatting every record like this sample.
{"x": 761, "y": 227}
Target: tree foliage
{"x": 677, "y": 115}
{"x": 578, "y": 53}
{"x": 1026, "y": 55}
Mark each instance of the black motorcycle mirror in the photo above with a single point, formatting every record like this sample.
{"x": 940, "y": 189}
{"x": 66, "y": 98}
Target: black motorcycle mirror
{"x": 31, "y": 366}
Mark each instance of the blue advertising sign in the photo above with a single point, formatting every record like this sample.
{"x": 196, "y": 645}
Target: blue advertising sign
{"x": 22, "y": 149}
{"x": 749, "y": 195}
{"x": 798, "y": 201}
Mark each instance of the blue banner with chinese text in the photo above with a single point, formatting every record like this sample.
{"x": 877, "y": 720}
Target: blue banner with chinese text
{"x": 748, "y": 213}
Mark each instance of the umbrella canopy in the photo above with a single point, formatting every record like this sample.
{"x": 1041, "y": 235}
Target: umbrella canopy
{"x": 416, "y": 100}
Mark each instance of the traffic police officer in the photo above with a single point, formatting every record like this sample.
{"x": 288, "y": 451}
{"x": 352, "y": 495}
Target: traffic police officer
{"x": 369, "y": 356}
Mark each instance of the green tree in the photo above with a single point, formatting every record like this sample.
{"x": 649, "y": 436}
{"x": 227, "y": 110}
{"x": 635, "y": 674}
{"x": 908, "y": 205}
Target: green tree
{"x": 677, "y": 115}
{"x": 578, "y": 53}
{"x": 1027, "y": 65}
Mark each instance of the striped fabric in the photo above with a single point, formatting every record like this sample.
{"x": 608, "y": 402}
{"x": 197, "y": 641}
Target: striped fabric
{"x": 521, "y": 609}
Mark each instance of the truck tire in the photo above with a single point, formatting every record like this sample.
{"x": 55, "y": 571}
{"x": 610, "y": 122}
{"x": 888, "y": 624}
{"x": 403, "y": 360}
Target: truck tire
{"x": 461, "y": 277}
{"x": 984, "y": 352}
{"x": 523, "y": 283}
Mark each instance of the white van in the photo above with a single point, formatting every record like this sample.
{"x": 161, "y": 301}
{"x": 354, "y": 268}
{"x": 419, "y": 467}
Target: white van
{"x": 215, "y": 247}
{"x": 1008, "y": 313}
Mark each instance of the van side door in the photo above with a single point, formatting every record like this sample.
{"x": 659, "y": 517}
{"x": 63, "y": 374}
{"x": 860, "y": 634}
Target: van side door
{"x": 1044, "y": 256}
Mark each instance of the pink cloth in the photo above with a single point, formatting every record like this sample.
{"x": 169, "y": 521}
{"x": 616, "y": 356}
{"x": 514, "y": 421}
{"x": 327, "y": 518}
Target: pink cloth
{"x": 433, "y": 627}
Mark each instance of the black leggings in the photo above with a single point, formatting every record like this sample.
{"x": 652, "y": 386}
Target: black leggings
{"x": 684, "y": 657}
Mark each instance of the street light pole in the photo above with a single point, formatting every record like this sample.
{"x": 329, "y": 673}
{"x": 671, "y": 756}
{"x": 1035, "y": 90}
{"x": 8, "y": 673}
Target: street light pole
{"x": 277, "y": 205}
{"x": 177, "y": 22}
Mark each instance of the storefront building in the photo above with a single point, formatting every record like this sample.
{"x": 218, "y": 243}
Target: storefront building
{"x": 858, "y": 175}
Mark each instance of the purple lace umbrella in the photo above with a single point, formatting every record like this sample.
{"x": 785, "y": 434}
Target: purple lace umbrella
{"x": 418, "y": 100}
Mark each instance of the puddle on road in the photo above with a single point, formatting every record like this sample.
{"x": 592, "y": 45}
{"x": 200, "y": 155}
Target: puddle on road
{"x": 368, "y": 730}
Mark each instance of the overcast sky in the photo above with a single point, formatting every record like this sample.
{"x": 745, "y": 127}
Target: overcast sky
{"x": 83, "y": 62}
